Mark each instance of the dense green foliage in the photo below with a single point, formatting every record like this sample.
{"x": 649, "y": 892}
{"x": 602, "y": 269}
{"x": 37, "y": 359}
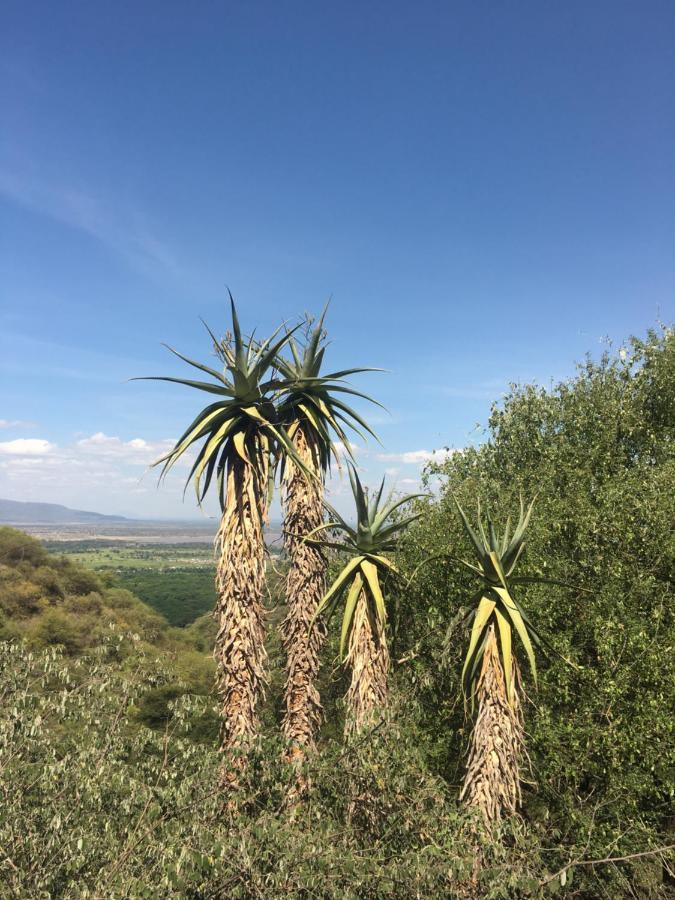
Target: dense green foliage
{"x": 599, "y": 450}
{"x": 107, "y": 748}
{"x": 176, "y": 580}
{"x": 180, "y": 595}
{"x": 92, "y": 806}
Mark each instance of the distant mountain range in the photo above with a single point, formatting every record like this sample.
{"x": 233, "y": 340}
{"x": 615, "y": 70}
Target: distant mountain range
{"x": 15, "y": 512}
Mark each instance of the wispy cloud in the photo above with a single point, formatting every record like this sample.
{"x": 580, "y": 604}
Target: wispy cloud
{"x": 378, "y": 419}
{"x": 24, "y": 354}
{"x": 124, "y": 231}
{"x": 417, "y": 457}
{"x": 97, "y": 471}
{"x": 16, "y": 423}
{"x": 490, "y": 389}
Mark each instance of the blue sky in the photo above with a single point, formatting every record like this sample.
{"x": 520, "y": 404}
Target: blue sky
{"x": 485, "y": 190}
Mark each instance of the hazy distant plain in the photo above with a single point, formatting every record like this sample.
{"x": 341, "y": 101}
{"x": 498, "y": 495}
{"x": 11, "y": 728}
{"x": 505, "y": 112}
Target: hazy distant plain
{"x": 137, "y": 531}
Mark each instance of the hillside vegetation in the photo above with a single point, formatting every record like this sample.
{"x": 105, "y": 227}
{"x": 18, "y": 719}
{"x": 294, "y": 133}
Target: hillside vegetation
{"x": 49, "y": 601}
{"x": 108, "y": 767}
{"x": 173, "y": 579}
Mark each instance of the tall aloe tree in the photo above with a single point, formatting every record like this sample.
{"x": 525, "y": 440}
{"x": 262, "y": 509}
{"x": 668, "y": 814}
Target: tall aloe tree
{"x": 315, "y": 413}
{"x": 238, "y": 432}
{"x": 360, "y": 586}
{"x": 491, "y": 675}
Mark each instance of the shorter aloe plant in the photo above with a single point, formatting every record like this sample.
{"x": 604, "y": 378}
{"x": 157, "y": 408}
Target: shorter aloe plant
{"x": 491, "y": 673}
{"x": 359, "y": 584}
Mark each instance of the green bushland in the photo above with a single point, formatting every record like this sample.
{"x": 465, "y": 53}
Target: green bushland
{"x": 48, "y": 601}
{"x": 180, "y": 595}
{"x": 598, "y": 450}
{"x": 107, "y": 742}
{"x": 94, "y": 807}
{"x": 177, "y": 580}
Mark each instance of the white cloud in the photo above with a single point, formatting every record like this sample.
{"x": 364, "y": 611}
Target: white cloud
{"x": 135, "y": 451}
{"x": 97, "y": 471}
{"x": 26, "y": 447}
{"x": 97, "y": 462}
{"x": 111, "y": 473}
{"x": 341, "y": 449}
{"x": 417, "y": 457}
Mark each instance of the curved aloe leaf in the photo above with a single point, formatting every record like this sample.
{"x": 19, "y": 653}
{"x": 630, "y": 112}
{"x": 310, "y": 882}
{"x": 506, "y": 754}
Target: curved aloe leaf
{"x": 483, "y": 613}
{"x": 350, "y": 605}
{"x": 337, "y": 584}
{"x": 369, "y": 569}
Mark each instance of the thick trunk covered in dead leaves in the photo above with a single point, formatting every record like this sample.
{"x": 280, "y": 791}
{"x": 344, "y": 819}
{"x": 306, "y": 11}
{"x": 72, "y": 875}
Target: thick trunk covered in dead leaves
{"x": 305, "y": 586}
{"x": 240, "y": 583}
{"x": 368, "y": 659}
{"x": 492, "y": 781}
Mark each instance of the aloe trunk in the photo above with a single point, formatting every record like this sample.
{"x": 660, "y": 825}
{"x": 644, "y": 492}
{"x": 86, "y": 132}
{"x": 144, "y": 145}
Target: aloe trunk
{"x": 305, "y": 586}
{"x": 240, "y": 581}
{"x": 368, "y": 661}
{"x": 492, "y": 781}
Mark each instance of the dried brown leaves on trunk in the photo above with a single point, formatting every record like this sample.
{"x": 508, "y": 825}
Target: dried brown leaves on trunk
{"x": 240, "y": 582}
{"x": 368, "y": 659}
{"x": 492, "y": 781}
{"x": 305, "y": 586}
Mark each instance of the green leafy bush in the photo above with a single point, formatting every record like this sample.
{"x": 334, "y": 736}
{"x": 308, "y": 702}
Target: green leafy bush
{"x": 599, "y": 451}
{"x": 57, "y": 628}
{"x": 93, "y": 806}
{"x": 17, "y": 547}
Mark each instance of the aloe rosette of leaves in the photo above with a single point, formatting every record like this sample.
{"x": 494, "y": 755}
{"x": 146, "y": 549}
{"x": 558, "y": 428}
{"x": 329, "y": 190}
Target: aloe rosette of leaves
{"x": 360, "y": 585}
{"x": 238, "y": 433}
{"x": 490, "y": 674}
{"x": 316, "y": 417}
